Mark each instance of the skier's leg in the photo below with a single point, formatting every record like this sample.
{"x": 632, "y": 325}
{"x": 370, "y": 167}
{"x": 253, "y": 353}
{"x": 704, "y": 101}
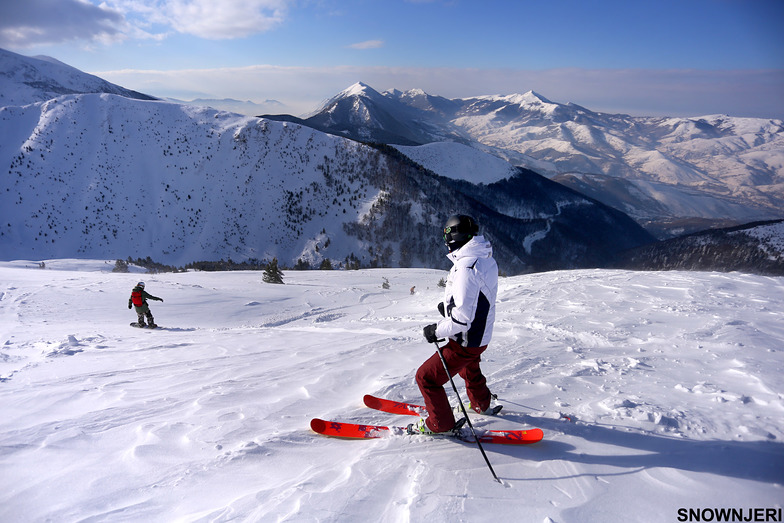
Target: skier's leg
{"x": 431, "y": 378}
{"x": 139, "y": 315}
{"x": 476, "y": 383}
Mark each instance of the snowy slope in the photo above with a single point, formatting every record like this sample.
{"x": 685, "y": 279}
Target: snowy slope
{"x": 770, "y": 236}
{"x": 756, "y": 247}
{"x": 673, "y": 381}
{"x": 183, "y": 183}
{"x": 730, "y": 162}
{"x": 25, "y": 80}
{"x": 458, "y": 161}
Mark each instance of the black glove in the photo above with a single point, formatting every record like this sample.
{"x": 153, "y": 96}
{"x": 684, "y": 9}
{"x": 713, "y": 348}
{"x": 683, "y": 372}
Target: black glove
{"x": 430, "y": 333}
{"x": 130, "y": 306}
{"x": 160, "y": 300}
{"x": 441, "y": 309}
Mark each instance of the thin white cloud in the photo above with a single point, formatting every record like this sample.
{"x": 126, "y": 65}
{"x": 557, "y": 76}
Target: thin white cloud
{"x": 368, "y": 44}
{"x": 223, "y": 19}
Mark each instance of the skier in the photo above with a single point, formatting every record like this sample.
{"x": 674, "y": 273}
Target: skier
{"x": 469, "y": 312}
{"x": 138, "y": 300}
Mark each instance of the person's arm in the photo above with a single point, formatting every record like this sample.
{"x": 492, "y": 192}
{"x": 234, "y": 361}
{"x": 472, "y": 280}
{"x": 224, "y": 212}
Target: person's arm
{"x": 147, "y": 295}
{"x": 460, "y": 312}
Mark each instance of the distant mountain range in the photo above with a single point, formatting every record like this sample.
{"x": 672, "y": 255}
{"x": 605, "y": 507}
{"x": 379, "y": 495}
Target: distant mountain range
{"x": 673, "y": 175}
{"x": 110, "y": 175}
{"x": 93, "y": 170}
{"x": 245, "y": 107}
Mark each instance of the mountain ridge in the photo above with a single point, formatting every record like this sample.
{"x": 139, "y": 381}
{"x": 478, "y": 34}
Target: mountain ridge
{"x": 664, "y": 172}
{"x": 123, "y": 176}
{"x": 754, "y": 247}
{"x": 25, "y": 80}
{"x": 101, "y": 175}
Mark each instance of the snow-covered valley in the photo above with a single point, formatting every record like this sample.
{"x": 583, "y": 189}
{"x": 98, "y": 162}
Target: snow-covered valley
{"x": 672, "y": 381}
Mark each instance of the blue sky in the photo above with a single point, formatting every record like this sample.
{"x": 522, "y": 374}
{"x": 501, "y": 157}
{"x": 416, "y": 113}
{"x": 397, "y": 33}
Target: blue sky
{"x": 663, "y": 57}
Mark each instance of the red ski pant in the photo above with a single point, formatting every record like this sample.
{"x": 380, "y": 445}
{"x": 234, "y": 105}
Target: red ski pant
{"x": 431, "y": 378}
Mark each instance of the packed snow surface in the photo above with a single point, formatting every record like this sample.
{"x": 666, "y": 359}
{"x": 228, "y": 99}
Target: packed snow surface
{"x": 673, "y": 383}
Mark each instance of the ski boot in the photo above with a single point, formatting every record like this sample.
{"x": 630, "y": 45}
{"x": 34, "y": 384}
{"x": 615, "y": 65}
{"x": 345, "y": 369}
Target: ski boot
{"x": 492, "y": 410}
{"x": 420, "y": 428}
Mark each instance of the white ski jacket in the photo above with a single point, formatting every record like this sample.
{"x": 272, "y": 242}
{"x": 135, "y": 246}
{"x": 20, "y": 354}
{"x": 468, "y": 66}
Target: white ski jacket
{"x": 469, "y": 297}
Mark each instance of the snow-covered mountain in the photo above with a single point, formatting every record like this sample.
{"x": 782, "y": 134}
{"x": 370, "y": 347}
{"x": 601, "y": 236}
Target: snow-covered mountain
{"x": 104, "y": 175}
{"x": 756, "y": 247}
{"x": 25, "y": 80}
{"x": 673, "y": 175}
{"x": 361, "y": 113}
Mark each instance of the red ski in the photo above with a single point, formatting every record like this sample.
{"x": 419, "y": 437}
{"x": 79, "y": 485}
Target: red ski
{"x": 399, "y": 407}
{"x": 357, "y": 431}
{"x": 353, "y": 430}
{"x": 394, "y": 407}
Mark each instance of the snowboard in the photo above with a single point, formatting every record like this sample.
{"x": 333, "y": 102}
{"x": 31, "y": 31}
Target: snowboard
{"x": 145, "y": 326}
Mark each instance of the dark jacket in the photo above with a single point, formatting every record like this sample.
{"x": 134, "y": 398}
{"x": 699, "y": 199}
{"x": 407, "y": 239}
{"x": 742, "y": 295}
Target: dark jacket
{"x": 144, "y": 295}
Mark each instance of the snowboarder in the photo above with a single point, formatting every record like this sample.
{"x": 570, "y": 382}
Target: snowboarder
{"x": 138, "y": 300}
{"x": 469, "y": 312}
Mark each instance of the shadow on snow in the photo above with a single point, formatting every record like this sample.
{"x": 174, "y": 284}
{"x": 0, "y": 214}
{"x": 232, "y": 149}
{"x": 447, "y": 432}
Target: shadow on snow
{"x": 754, "y": 460}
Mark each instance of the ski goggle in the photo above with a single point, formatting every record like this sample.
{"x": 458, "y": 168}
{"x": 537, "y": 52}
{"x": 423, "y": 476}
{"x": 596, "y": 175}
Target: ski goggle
{"x": 448, "y": 231}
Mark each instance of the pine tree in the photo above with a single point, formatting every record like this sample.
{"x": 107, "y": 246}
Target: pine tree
{"x": 120, "y": 266}
{"x": 272, "y": 274}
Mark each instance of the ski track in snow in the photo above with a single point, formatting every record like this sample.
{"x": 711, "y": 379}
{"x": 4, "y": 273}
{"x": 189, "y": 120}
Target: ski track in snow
{"x": 672, "y": 380}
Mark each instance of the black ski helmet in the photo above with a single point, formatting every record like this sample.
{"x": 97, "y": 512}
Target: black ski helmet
{"x": 459, "y": 230}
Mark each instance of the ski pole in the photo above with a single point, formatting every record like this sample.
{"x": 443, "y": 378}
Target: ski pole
{"x": 462, "y": 407}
